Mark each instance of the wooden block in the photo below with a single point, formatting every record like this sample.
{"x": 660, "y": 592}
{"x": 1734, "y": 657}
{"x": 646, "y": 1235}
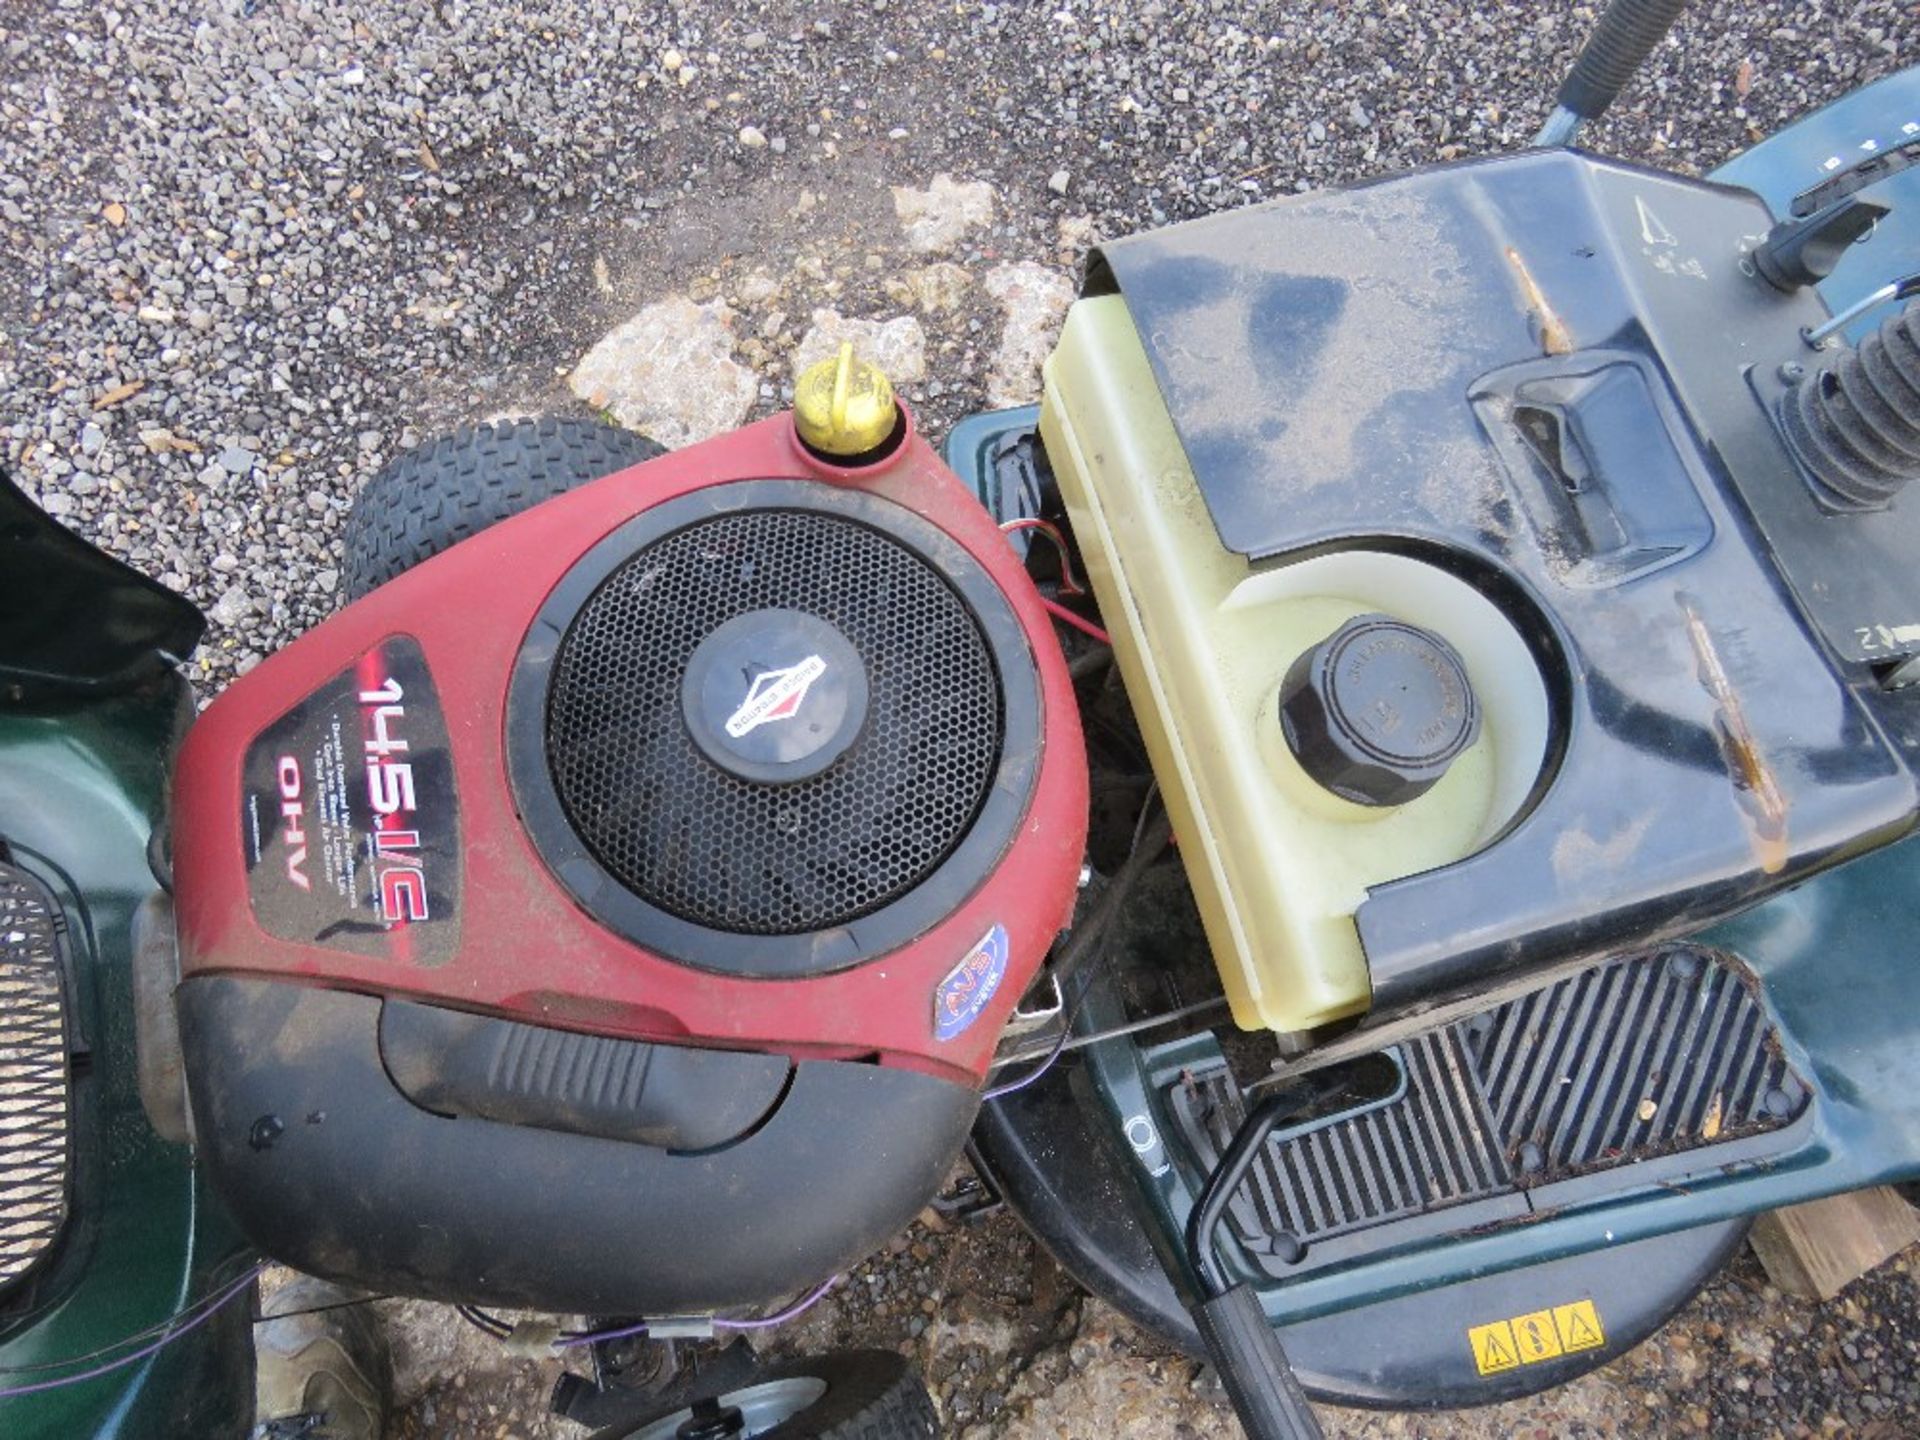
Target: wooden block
{"x": 1818, "y": 1249}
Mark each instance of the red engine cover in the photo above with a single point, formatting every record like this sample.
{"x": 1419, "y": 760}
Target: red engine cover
{"x": 453, "y": 905}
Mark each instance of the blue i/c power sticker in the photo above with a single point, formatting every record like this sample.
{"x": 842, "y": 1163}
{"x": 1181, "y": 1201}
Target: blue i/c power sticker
{"x": 959, "y": 999}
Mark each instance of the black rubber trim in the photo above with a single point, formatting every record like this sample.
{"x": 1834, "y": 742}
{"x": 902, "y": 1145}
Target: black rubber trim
{"x": 676, "y": 1097}
{"x": 1619, "y": 45}
{"x": 774, "y": 956}
{"x": 326, "y": 1166}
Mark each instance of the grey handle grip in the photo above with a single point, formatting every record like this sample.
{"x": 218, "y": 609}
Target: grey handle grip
{"x": 1260, "y": 1381}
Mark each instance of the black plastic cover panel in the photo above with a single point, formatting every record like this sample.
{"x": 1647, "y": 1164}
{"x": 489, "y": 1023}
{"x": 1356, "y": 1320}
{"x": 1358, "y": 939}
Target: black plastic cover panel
{"x": 1533, "y": 371}
{"x": 677, "y": 1097}
{"x": 74, "y": 620}
{"x": 326, "y": 1163}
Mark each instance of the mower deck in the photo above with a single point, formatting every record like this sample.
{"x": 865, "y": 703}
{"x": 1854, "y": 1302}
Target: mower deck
{"x": 1588, "y": 1151}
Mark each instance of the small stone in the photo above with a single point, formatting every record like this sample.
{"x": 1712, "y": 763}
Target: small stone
{"x": 92, "y": 439}
{"x": 751, "y": 137}
{"x": 1058, "y": 182}
{"x": 232, "y": 607}
{"x": 236, "y": 460}
{"x": 753, "y": 40}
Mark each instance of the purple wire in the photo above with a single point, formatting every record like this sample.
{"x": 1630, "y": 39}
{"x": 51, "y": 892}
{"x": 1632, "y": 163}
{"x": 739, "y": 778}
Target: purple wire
{"x": 792, "y": 1312}
{"x": 205, "y": 1313}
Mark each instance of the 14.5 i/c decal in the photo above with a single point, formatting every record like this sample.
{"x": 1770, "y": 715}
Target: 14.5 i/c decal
{"x": 349, "y": 816}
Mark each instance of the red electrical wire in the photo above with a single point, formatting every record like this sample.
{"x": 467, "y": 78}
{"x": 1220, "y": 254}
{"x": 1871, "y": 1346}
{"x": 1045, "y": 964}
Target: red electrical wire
{"x": 1068, "y": 584}
{"x": 1067, "y": 617}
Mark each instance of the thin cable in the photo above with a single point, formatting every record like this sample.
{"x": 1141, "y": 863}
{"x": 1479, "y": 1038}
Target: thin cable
{"x": 1067, "y": 617}
{"x": 1059, "y": 1045}
{"x": 792, "y": 1312}
{"x": 1140, "y": 854}
{"x": 594, "y": 1337}
{"x": 481, "y": 1320}
{"x": 1132, "y": 1027}
{"x": 124, "y": 1341}
{"x": 1068, "y": 585}
{"x": 321, "y": 1309}
{"x": 212, "y": 1308}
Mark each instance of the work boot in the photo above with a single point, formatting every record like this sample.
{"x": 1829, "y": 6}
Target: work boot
{"x": 323, "y": 1370}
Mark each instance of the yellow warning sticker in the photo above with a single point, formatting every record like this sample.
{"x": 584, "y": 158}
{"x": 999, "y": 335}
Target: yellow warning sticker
{"x": 1493, "y": 1347}
{"x": 1578, "y": 1326}
{"x": 1536, "y": 1336}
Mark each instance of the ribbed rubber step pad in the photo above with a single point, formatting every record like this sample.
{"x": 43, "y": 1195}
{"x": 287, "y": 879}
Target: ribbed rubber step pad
{"x": 34, "y": 1076}
{"x": 1643, "y": 1057}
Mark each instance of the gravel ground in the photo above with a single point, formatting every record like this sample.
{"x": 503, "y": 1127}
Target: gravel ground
{"x": 252, "y": 250}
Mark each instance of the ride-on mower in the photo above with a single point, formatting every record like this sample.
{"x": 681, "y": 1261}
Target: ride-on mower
{"x": 1376, "y": 815}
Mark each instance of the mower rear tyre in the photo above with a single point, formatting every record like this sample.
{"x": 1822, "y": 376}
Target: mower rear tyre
{"x": 848, "y": 1395}
{"x": 448, "y": 489}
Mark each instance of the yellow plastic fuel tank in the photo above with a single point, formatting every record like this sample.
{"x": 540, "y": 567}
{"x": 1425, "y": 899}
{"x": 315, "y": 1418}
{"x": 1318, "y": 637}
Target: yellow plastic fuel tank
{"x": 1204, "y": 640}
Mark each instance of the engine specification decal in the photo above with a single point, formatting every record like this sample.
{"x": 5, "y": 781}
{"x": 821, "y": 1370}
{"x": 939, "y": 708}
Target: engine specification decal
{"x": 349, "y": 819}
{"x": 959, "y": 999}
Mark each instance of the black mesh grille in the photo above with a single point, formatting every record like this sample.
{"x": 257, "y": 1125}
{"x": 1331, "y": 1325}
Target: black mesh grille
{"x": 33, "y": 1076}
{"x": 1620, "y": 1065}
{"x": 760, "y": 859}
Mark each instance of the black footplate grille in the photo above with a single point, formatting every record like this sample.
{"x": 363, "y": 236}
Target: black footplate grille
{"x": 1639, "y": 1059}
{"x": 1636, "y": 1059}
{"x": 33, "y": 1075}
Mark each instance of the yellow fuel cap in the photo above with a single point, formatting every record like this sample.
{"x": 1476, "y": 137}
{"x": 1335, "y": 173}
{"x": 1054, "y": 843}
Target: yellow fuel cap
{"x": 843, "y": 406}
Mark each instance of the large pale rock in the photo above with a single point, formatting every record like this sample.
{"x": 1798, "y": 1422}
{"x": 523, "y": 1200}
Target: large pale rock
{"x": 669, "y": 372}
{"x": 898, "y": 346}
{"x": 937, "y": 217}
{"x": 1033, "y": 301}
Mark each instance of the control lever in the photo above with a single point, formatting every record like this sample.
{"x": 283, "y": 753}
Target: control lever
{"x": 1805, "y": 252}
{"x": 1905, "y": 288}
{"x": 1240, "y": 1339}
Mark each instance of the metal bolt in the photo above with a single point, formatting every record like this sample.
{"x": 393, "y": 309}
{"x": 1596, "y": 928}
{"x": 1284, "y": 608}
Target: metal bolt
{"x": 1532, "y": 1159}
{"x": 1793, "y": 372}
{"x": 1685, "y": 964}
{"x": 266, "y": 1130}
{"x": 1779, "y": 1103}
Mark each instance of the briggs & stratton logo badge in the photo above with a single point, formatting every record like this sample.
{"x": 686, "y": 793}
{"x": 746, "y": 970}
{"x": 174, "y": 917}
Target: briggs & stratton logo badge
{"x": 959, "y": 999}
{"x": 775, "y": 695}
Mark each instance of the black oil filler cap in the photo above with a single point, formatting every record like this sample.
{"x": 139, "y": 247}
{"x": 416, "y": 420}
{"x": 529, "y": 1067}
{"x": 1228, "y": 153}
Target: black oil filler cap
{"x": 1378, "y": 710}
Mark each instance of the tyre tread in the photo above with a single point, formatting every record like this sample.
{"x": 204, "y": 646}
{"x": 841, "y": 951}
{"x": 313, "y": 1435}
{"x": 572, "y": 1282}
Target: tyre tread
{"x": 453, "y": 487}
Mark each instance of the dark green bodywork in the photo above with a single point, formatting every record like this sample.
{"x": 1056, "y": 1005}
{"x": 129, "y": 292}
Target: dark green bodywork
{"x": 82, "y": 787}
{"x": 1838, "y": 965}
